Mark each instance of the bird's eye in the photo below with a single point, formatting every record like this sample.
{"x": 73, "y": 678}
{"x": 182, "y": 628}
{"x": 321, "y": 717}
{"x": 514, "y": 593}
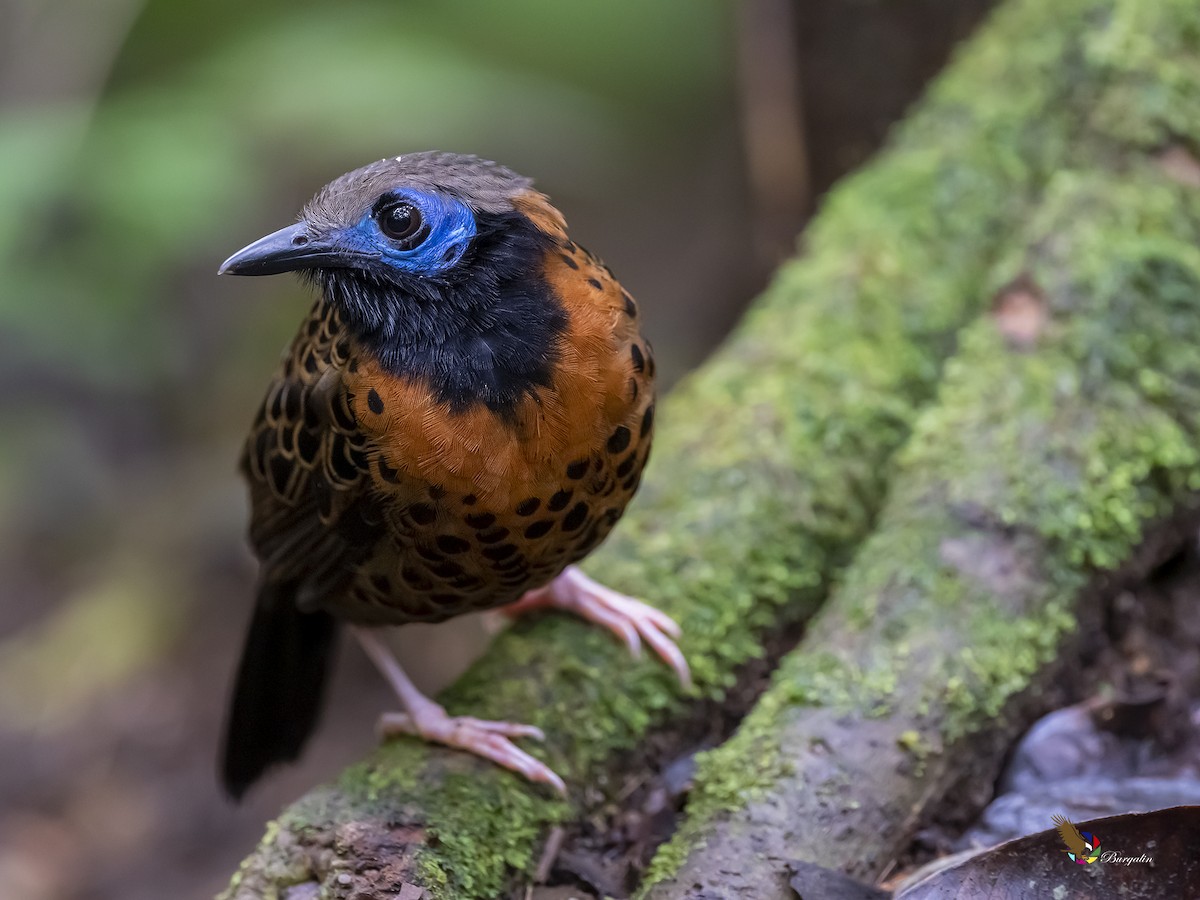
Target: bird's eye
{"x": 402, "y": 223}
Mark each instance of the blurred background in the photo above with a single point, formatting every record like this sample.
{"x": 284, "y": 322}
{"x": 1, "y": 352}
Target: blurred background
{"x": 143, "y": 141}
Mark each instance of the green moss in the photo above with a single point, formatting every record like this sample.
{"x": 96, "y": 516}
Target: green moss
{"x": 475, "y": 853}
{"x": 1148, "y": 51}
{"x": 1045, "y": 465}
{"x": 669, "y": 858}
{"x": 912, "y": 742}
{"x": 267, "y": 882}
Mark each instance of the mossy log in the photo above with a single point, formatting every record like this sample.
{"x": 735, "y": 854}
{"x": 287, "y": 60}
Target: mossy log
{"x": 772, "y": 464}
{"x": 1062, "y": 454}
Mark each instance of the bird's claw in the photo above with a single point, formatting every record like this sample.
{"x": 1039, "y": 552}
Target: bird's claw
{"x": 629, "y": 619}
{"x": 483, "y": 737}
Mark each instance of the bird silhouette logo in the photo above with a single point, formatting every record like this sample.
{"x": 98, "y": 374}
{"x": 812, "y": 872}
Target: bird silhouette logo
{"x": 1082, "y": 846}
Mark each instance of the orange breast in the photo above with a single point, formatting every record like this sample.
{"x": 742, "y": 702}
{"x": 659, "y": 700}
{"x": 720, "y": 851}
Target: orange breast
{"x": 595, "y": 389}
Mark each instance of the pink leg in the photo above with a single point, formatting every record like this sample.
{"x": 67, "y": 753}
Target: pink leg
{"x": 631, "y": 620}
{"x": 425, "y": 718}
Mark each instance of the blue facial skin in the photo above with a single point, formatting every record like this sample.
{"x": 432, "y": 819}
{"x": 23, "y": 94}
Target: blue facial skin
{"x": 466, "y": 309}
{"x": 451, "y": 228}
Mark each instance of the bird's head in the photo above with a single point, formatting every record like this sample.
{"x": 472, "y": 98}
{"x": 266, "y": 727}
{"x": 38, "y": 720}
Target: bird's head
{"x": 434, "y": 259}
{"x": 437, "y": 226}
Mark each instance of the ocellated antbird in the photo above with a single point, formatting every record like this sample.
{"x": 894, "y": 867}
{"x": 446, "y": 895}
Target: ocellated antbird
{"x": 463, "y": 415}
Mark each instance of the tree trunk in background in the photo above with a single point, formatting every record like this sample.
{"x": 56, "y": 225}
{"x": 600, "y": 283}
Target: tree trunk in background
{"x": 1045, "y": 176}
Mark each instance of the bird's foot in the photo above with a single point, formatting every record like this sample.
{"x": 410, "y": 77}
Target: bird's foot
{"x": 426, "y": 719}
{"x": 479, "y": 736}
{"x": 631, "y": 620}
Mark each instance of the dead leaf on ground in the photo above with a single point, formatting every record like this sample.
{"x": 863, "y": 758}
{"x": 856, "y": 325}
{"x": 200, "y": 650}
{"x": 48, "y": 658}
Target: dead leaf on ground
{"x": 1144, "y": 856}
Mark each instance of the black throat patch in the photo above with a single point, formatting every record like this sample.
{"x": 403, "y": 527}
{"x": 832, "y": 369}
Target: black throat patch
{"x": 487, "y": 331}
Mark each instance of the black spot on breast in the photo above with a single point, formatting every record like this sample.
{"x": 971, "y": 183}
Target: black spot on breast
{"x": 415, "y": 579}
{"x": 387, "y": 473}
{"x": 578, "y": 469}
{"x": 422, "y": 513}
{"x": 592, "y": 535}
{"x": 449, "y": 543}
{"x": 469, "y": 500}
{"x": 437, "y": 492}
{"x": 618, "y": 440}
{"x": 570, "y": 262}
{"x": 467, "y": 582}
{"x": 595, "y": 283}
{"x": 491, "y": 537}
{"x": 539, "y": 528}
{"x": 633, "y": 388}
{"x": 287, "y": 440}
{"x": 481, "y": 520}
{"x": 559, "y": 500}
{"x": 446, "y": 599}
{"x": 341, "y": 350}
{"x": 575, "y": 517}
{"x": 314, "y": 325}
{"x": 632, "y": 481}
{"x": 374, "y": 401}
{"x": 447, "y": 570}
{"x": 647, "y": 420}
{"x": 626, "y": 465}
{"x": 514, "y": 563}
{"x": 429, "y": 554}
{"x": 354, "y": 364}
{"x": 497, "y": 553}
{"x": 310, "y": 363}
{"x": 639, "y": 361}
{"x": 381, "y": 583}
{"x": 528, "y": 507}
{"x": 630, "y": 306}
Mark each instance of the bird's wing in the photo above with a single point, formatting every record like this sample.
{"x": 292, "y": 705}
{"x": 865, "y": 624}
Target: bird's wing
{"x": 1070, "y": 836}
{"x": 313, "y": 516}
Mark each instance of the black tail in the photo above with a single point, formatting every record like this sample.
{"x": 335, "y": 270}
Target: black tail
{"x": 279, "y": 688}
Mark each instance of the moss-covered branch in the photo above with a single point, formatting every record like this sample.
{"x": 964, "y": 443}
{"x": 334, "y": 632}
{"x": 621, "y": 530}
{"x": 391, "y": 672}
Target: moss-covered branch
{"x": 1062, "y": 449}
{"x": 770, "y": 468}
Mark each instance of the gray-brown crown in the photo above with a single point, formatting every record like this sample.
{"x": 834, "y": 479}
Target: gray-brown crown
{"x": 481, "y": 184}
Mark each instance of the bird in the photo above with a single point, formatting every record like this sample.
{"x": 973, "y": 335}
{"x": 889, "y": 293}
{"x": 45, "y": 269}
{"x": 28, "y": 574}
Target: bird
{"x": 462, "y": 417}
